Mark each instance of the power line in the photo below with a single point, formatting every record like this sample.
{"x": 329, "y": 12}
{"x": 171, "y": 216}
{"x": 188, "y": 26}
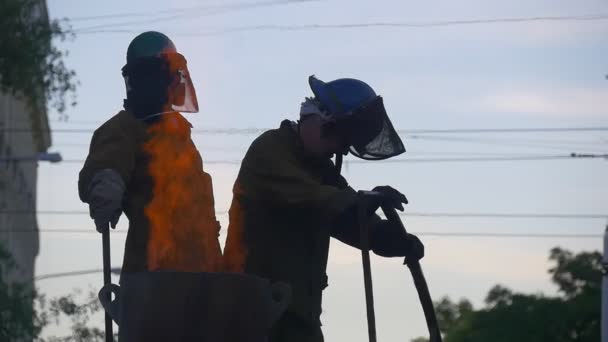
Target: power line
{"x": 153, "y": 13}
{"x": 185, "y": 13}
{"x": 114, "y": 270}
{"x": 507, "y": 215}
{"x": 506, "y": 130}
{"x": 253, "y": 131}
{"x": 407, "y": 214}
{"x": 558, "y": 145}
{"x": 306, "y": 27}
{"x": 240, "y": 149}
{"x": 538, "y": 144}
{"x": 511, "y": 235}
{"x": 484, "y": 159}
{"x": 571, "y": 156}
{"x": 422, "y": 233}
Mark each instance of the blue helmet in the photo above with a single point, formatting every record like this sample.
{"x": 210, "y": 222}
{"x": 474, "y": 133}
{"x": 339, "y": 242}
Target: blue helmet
{"x": 359, "y": 116}
{"x": 342, "y": 96}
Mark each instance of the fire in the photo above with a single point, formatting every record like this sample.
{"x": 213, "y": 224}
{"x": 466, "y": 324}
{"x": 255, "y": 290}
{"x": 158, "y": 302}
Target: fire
{"x": 183, "y": 231}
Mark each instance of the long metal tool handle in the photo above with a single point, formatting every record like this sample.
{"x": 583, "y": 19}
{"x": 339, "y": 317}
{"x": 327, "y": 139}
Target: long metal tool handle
{"x": 107, "y": 276}
{"x": 420, "y": 282}
{"x": 367, "y": 270}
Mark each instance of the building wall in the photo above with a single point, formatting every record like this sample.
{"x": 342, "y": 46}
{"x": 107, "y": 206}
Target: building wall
{"x": 23, "y": 134}
{"x": 18, "y": 176}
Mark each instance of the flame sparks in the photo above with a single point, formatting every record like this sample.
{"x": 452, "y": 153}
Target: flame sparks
{"x": 183, "y": 231}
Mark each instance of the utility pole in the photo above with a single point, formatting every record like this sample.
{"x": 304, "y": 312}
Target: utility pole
{"x": 605, "y": 288}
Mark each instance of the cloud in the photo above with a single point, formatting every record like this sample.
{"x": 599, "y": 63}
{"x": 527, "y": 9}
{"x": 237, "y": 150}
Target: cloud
{"x": 579, "y": 102}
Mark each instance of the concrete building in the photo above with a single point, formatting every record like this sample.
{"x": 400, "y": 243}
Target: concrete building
{"x": 24, "y": 133}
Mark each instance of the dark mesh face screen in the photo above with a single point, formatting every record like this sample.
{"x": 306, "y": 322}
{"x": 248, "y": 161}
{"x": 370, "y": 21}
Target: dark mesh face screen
{"x": 371, "y": 133}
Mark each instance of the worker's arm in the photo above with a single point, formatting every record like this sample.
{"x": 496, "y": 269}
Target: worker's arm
{"x": 346, "y": 226}
{"x": 269, "y": 174}
{"x": 107, "y": 170}
{"x": 386, "y": 238}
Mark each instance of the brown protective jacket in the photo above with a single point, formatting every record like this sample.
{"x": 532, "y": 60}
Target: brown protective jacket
{"x": 161, "y": 185}
{"x": 281, "y": 217}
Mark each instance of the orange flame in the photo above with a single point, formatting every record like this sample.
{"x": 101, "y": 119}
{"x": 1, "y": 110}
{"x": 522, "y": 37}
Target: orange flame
{"x": 183, "y": 231}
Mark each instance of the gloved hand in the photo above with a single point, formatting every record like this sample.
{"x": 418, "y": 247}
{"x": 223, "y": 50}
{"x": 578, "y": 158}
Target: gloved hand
{"x": 391, "y": 196}
{"x": 388, "y": 239}
{"x": 372, "y": 200}
{"x": 105, "y": 198}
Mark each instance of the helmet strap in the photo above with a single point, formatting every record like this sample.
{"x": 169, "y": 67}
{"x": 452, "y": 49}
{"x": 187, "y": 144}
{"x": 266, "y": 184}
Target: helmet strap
{"x": 338, "y": 163}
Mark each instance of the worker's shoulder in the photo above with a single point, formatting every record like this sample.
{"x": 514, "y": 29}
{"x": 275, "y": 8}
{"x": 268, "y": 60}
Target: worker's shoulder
{"x": 276, "y": 138}
{"x": 268, "y": 139}
{"x": 123, "y": 121}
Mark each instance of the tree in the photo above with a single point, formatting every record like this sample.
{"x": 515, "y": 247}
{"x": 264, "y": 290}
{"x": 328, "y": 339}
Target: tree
{"x": 17, "y": 316}
{"x": 24, "y": 314}
{"x": 31, "y": 65}
{"x": 79, "y": 311}
{"x": 574, "y": 315}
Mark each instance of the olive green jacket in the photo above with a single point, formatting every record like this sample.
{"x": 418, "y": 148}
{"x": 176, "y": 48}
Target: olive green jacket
{"x": 281, "y": 217}
{"x": 120, "y": 144}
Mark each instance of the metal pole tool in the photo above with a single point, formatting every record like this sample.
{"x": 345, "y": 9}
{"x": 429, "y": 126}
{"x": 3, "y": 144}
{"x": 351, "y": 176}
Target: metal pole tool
{"x": 420, "y": 282}
{"x": 107, "y": 276}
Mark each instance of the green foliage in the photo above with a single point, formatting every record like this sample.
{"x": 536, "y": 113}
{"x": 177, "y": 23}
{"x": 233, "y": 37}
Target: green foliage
{"x": 24, "y": 314}
{"x": 79, "y": 314}
{"x": 448, "y": 313}
{"x": 510, "y": 316}
{"x": 31, "y": 66}
{"x": 17, "y": 317}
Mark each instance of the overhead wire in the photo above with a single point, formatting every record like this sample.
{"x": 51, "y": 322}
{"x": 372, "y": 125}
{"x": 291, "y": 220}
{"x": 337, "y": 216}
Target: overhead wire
{"x": 406, "y": 214}
{"x": 420, "y": 233}
{"x": 597, "y": 146}
{"x": 572, "y": 156}
{"x": 305, "y": 27}
{"x": 190, "y": 12}
{"x": 512, "y": 142}
{"x": 252, "y": 130}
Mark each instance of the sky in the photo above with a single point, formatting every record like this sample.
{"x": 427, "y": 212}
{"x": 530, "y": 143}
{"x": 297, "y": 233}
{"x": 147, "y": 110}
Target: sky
{"x": 250, "y": 61}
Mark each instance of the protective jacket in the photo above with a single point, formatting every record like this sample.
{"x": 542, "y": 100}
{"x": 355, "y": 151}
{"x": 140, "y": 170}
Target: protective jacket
{"x": 281, "y": 218}
{"x": 183, "y": 234}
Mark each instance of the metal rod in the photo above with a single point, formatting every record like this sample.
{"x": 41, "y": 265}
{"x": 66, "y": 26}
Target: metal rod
{"x": 420, "y": 283}
{"x": 367, "y": 272}
{"x": 605, "y": 288}
{"x": 107, "y": 278}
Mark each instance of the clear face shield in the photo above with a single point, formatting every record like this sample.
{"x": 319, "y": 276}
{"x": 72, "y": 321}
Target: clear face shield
{"x": 160, "y": 84}
{"x": 182, "y": 95}
{"x": 370, "y": 133}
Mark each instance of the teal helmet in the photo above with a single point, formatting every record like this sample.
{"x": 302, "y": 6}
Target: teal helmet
{"x": 149, "y": 44}
{"x": 157, "y": 77}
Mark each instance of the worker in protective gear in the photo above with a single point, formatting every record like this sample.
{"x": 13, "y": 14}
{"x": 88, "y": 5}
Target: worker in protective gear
{"x": 289, "y": 199}
{"x": 142, "y": 162}
{"x": 122, "y": 171}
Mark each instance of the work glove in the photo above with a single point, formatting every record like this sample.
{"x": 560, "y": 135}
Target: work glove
{"x": 389, "y": 239}
{"x": 391, "y": 196}
{"x": 380, "y": 195}
{"x": 104, "y": 197}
